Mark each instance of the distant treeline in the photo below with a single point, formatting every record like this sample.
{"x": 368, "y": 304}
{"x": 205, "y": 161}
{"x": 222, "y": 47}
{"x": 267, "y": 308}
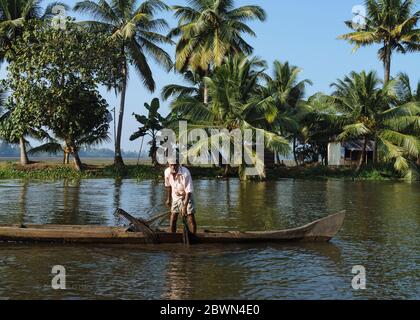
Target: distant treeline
{"x": 11, "y": 150}
{"x": 8, "y": 150}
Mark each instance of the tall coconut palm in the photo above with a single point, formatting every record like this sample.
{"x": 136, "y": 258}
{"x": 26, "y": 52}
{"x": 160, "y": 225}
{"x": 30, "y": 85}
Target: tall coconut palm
{"x": 209, "y": 30}
{"x": 235, "y": 104}
{"x": 371, "y": 112}
{"x": 390, "y": 23}
{"x": 137, "y": 30}
{"x": 287, "y": 93}
{"x": 407, "y": 94}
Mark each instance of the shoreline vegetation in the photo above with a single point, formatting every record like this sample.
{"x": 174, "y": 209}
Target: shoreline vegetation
{"x": 96, "y": 169}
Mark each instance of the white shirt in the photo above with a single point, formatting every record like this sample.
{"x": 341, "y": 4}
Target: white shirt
{"x": 181, "y": 184}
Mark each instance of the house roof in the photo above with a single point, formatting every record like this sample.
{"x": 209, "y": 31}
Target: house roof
{"x": 357, "y": 145}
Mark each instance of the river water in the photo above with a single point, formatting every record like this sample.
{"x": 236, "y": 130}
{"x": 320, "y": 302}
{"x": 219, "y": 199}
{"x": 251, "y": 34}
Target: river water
{"x": 381, "y": 233}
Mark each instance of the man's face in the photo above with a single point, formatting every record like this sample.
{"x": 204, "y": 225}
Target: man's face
{"x": 174, "y": 168}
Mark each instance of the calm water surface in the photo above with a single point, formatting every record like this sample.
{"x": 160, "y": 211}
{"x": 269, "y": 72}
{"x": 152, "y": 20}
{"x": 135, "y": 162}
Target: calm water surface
{"x": 381, "y": 232}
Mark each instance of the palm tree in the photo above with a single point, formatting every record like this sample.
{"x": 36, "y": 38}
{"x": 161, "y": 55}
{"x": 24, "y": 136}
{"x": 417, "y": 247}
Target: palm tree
{"x": 235, "y": 104}
{"x": 209, "y": 30}
{"x": 407, "y": 94}
{"x": 7, "y": 126}
{"x": 370, "y": 112}
{"x": 390, "y": 23}
{"x": 318, "y": 125}
{"x": 137, "y": 30}
{"x": 57, "y": 145}
{"x": 150, "y": 126}
{"x": 287, "y": 93}
{"x": 193, "y": 87}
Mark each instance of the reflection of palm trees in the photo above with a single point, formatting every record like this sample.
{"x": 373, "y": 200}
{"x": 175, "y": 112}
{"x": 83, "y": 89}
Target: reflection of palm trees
{"x": 117, "y": 192}
{"x": 156, "y": 189}
{"x": 117, "y": 197}
{"x": 178, "y": 278}
{"x": 203, "y": 276}
{"x": 71, "y": 201}
{"x": 335, "y": 195}
{"x": 255, "y": 205}
{"x": 22, "y": 202}
{"x": 228, "y": 198}
{"x": 381, "y": 228}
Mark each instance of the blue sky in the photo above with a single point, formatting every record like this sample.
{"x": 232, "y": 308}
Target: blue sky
{"x": 303, "y": 32}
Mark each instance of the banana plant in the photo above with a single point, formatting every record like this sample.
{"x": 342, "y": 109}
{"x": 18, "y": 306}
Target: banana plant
{"x": 150, "y": 126}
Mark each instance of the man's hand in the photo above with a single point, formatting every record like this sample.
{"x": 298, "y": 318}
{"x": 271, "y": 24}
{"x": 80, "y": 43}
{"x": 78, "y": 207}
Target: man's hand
{"x": 168, "y": 203}
{"x": 184, "y": 209}
{"x": 185, "y": 204}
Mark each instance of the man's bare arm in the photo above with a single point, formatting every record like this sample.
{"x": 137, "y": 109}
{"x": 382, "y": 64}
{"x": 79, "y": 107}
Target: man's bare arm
{"x": 186, "y": 200}
{"x": 168, "y": 197}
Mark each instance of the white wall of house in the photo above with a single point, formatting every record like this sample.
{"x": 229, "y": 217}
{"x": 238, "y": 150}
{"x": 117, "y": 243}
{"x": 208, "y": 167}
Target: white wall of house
{"x": 334, "y": 154}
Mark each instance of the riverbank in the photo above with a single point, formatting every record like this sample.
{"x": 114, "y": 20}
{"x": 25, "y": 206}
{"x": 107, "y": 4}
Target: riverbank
{"x": 54, "y": 171}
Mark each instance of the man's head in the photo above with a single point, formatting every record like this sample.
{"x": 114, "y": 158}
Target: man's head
{"x": 174, "y": 165}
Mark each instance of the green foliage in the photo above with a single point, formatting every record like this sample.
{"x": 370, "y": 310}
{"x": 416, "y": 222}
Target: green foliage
{"x": 211, "y": 30}
{"x": 150, "y": 126}
{"x": 13, "y": 18}
{"x": 390, "y": 23}
{"x": 235, "y": 103}
{"x": 46, "y": 173}
{"x": 145, "y": 172}
{"x": 194, "y": 87}
{"x": 137, "y": 30}
{"x": 53, "y": 78}
{"x": 367, "y": 110}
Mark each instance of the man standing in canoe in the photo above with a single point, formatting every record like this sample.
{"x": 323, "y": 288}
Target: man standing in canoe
{"x": 179, "y": 189}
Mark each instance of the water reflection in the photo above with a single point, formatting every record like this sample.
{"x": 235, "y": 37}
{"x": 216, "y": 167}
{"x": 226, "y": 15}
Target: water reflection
{"x": 381, "y": 232}
{"x": 22, "y": 203}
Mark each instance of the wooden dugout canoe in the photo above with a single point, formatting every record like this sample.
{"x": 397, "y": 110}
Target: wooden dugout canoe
{"x": 320, "y": 230}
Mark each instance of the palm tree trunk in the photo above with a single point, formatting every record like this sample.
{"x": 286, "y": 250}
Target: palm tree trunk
{"x": 23, "y": 154}
{"x": 71, "y": 149}
{"x": 375, "y": 152}
{"x": 206, "y": 94}
{"x": 206, "y": 88}
{"x": 226, "y": 171}
{"x": 76, "y": 160}
{"x": 294, "y": 151}
{"x": 118, "y": 161}
{"x": 241, "y": 171}
{"x": 363, "y": 156}
{"x": 387, "y": 63}
{"x": 66, "y": 157}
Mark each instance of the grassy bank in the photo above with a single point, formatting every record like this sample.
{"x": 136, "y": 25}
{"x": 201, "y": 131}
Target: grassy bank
{"x": 323, "y": 172}
{"x": 55, "y": 171}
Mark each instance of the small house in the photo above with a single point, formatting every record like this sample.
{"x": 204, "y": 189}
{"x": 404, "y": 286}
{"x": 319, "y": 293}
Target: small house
{"x": 348, "y": 153}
